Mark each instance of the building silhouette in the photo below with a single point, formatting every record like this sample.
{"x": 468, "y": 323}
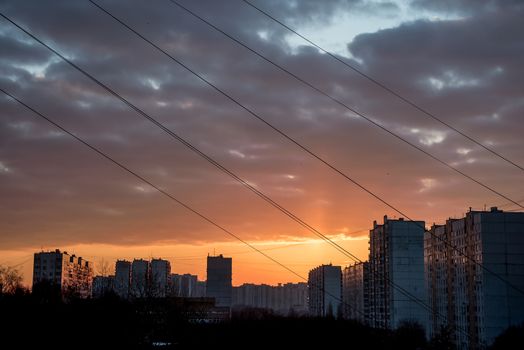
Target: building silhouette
{"x": 473, "y": 303}
{"x": 325, "y": 291}
{"x": 355, "y": 292}
{"x": 186, "y": 286}
{"x": 282, "y": 299}
{"x": 103, "y": 285}
{"x": 71, "y": 274}
{"x": 122, "y": 283}
{"x": 140, "y": 277}
{"x": 219, "y": 280}
{"x": 159, "y": 281}
{"x": 396, "y": 268}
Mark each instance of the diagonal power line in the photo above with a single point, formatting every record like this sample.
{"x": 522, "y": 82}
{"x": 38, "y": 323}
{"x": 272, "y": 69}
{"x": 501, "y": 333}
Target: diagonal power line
{"x": 186, "y": 143}
{"x": 167, "y": 194}
{"x": 332, "y": 167}
{"x": 385, "y": 87}
{"x": 316, "y": 156}
{"x": 145, "y": 115}
{"x": 245, "y": 183}
{"x": 323, "y": 93}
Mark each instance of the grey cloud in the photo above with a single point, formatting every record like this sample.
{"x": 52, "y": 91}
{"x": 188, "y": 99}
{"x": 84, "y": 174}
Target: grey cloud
{"x": 60, "y": 183}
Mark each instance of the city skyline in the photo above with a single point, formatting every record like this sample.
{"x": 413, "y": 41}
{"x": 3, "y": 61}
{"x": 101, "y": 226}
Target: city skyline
{"x": 56, "y": 194}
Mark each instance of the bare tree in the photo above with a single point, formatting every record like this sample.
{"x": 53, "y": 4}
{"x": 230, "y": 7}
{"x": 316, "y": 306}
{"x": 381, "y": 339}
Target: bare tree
{"x": 10, "y": 280}
{"x": 103, "y": 268}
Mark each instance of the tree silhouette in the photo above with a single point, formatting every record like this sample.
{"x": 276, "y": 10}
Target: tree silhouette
{"x": 10, "y": 280}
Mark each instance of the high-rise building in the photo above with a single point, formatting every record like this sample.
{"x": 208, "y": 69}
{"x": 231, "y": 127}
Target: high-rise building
{"x": 122, "y": 283}
{"x": 325, "y": 290}
{"x": 397, "y": 290}
{"x": 219, "y": 280}
{"x": 70, "y": 273}
{"x": 473, "y": 303}
{"x": 140, "y": 276}
{"x": 355, "y": 291}
{"x": 160, "y": 276}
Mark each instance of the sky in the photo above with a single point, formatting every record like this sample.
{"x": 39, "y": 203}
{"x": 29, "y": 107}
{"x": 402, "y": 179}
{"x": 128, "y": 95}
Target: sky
{"x": 461, "y": 60}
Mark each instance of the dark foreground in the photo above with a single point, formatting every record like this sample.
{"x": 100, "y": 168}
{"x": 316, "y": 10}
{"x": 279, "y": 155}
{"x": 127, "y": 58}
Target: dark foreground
{"x": 30, "y": 322}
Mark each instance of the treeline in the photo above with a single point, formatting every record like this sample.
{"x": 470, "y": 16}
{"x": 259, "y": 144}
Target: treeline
{"x": 30, "y": 320}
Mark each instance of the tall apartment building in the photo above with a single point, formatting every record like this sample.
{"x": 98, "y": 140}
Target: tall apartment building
{"x": 396, "y": 267}
{"x": 160, "y": 277}
{"x": 71, "y": 273}
{"x": 219, "y": 280}
{"x": 325, "y": 290}
{"x": 290, "y": 297}
{"x": 475, "y": 304}
{"x": 355, "y": 291}
{"x": 122, "y": 283}
{"x": 140, "y": 275}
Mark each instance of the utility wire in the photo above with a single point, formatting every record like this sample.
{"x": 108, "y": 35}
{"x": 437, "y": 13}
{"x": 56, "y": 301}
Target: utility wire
{"x": 344, "y": 251}
{"x": 347, "y": 253}
{"x": 325, "y": 94}
{"x": 166, "y": 194}
{"x": 189, "y": 145}
{"x": 385, "y": 87}
{"x": 338, "y": 247}
{"x": 307, "y": 150}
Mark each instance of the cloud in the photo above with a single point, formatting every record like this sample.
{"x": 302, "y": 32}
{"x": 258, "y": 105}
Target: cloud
{"x": 475, "y": 61}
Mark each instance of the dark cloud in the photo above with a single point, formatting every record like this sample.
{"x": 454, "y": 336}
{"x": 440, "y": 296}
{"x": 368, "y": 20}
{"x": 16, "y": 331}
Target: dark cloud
{"x": 56, "y": 191}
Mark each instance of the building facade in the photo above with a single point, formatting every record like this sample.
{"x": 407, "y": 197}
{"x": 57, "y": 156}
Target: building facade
{"x": 397, "y": 289}
{"x": 185, "y": 286}
{"x": 140, "y": 278}
{"x": 72, "y": 274}
{"x": 355, "y": 291}
{"x": 103, "y": 285}
{"x": 325, "y": 291}
{"x": 219, "y": 280}
{"x": 283, "y": 299}
{"x": 122, "y": 283}
{"x": 476, "y": 298}
{"x": 160, "y": 278}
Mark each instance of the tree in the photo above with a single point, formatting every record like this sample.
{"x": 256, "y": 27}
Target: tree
{"x": 103, "y": 268}
{"x": 10, "y": 280}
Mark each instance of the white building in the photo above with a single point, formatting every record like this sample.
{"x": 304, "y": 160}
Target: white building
{"x": 325, "y": 290}
{"x": 355, "y": 291}
{"x": 219, "y": 280}
{"x": 473, "y": 303}
{"x": 160, "y": 277}
{"x": 70, "y": 273}
{"x": 397, "y": 290}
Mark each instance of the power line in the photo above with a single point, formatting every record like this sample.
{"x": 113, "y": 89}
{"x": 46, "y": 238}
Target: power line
{"x": 386, "y": 88}
{"x": 165, "y": 193}
{"x": 344, "y": 251}
{"x": 191, "y": 146}
{"x": 142, "y": 113}
{"x": 318, "y": 157}
{"x": 325, "y": 94}
{"x": 307, "y": 150}
{"x": 216, "y": 164}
